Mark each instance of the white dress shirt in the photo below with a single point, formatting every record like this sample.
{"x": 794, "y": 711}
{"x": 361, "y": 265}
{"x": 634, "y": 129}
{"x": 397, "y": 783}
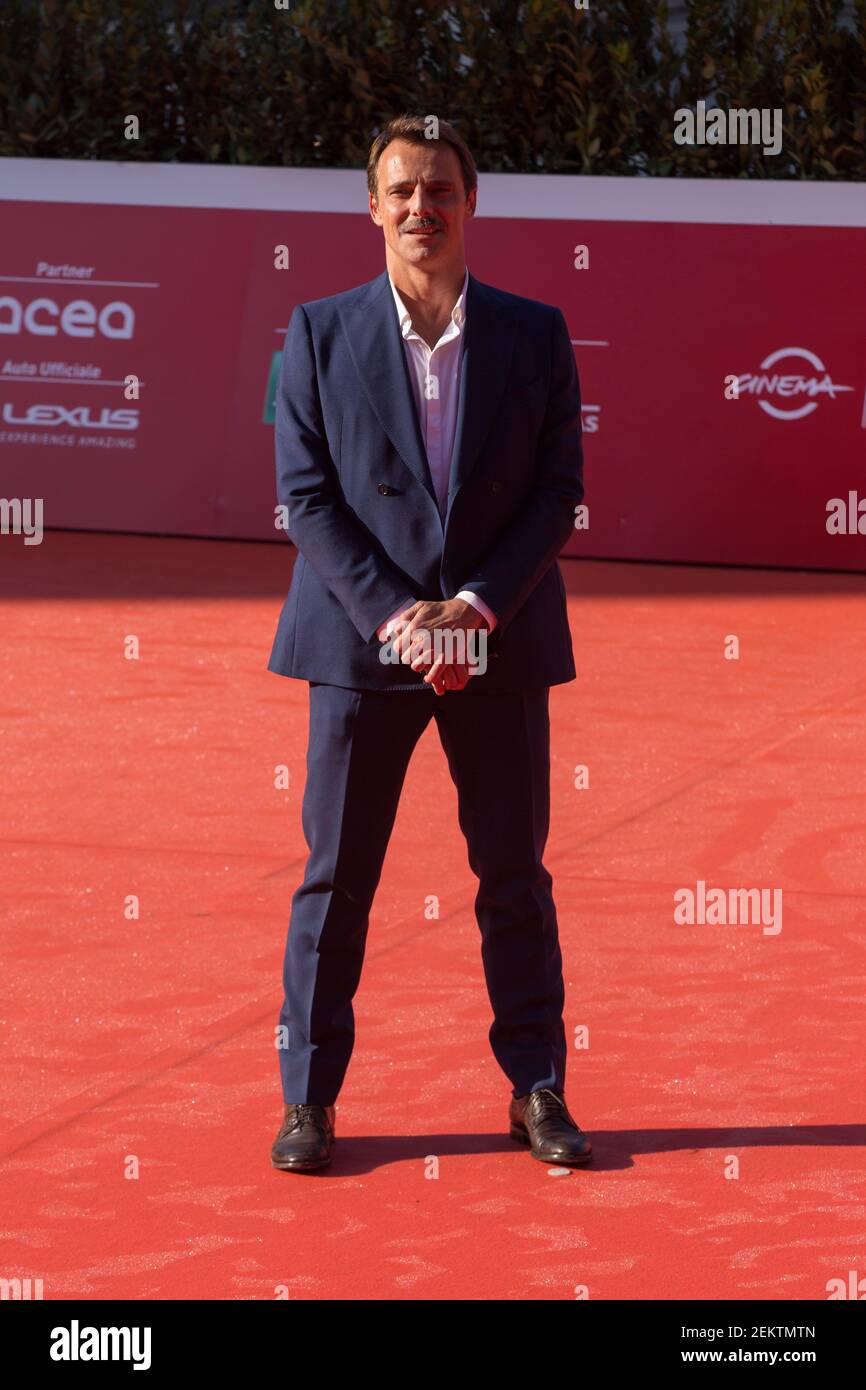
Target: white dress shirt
{"x": 434, "y": 374}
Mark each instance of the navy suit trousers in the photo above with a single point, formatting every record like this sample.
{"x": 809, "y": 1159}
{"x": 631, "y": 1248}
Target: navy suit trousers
{"x": 498, "y": 752}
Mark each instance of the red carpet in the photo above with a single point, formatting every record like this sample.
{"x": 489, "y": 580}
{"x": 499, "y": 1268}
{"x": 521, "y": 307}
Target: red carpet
{"x": 150, "y": 1042}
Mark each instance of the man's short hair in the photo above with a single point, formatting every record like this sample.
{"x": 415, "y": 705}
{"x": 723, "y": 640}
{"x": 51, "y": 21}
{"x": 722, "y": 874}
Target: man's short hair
{"x": 416, "y": 129}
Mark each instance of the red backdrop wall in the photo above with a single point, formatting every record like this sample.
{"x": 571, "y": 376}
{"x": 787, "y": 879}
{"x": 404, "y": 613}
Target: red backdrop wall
{"x": 665, "y": 312}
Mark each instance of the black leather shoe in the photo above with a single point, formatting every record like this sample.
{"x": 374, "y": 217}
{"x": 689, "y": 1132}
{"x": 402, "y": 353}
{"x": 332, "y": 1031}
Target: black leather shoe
{"x": 305, "y": 1139}
{"x": 542, "y": 1121}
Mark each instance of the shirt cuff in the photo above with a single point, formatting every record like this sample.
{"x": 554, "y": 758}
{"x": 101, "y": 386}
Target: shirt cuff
{"x": 480, "y": 605}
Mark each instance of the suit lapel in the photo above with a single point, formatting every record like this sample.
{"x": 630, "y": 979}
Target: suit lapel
{"x": 373, "y": 334}
{"x": 376, "y": 345}
{"x": 487, "y": 352}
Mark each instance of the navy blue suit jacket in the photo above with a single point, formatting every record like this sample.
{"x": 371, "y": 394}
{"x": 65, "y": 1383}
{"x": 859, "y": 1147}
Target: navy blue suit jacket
{"x": 352, "y": 472}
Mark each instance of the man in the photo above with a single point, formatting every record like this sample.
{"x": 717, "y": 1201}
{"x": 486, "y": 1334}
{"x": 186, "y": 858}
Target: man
{"x": 428, "y": 449}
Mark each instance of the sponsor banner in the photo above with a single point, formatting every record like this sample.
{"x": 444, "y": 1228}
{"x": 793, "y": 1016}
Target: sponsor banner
{"x": 90, "y": 297}
{"x": 721, "y": 365}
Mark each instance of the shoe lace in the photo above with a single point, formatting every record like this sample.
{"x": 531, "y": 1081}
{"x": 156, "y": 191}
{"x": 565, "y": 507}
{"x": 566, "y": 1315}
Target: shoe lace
{"x": 545, "y": 1102}
{"x": 301, "y": 1115}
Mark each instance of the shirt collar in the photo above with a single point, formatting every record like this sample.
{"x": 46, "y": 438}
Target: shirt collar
{"x": 458, "y": 313}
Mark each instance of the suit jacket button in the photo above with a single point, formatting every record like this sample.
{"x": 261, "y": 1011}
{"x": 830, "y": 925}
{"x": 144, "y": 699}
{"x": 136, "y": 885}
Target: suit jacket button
{"x": 495, "y": 487}
{"x": 384, "y": 489}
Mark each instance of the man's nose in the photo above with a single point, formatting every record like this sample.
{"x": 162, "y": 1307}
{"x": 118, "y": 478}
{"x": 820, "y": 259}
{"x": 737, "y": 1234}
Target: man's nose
{"x": 420, "y": 203}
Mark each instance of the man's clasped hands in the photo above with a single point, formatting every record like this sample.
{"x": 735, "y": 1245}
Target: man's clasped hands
{"x": 410, "y": 640}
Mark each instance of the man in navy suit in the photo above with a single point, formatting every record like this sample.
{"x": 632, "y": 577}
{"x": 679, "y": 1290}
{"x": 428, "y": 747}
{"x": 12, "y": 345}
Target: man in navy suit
{"x": 428, "y": 451}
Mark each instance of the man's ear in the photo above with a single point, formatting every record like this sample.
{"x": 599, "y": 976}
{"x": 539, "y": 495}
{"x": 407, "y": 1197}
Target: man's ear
{"x": 470, "y": 202}
{"x": 374, "y": 210}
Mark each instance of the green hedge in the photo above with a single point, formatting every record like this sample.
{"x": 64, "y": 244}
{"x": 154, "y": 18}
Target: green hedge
{"x": 533, "y": 86}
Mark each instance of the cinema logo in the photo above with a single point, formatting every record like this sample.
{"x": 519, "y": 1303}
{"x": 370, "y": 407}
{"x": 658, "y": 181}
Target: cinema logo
{"x": 454, "y": 646}
{"x": 76, "y": 1343}
{"x": 734, "y": 907}
{"x": 731, "y": 125}
{"x": 768, "y": 385}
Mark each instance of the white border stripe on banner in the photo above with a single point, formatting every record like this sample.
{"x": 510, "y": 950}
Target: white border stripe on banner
{"x": 577, "y": 198}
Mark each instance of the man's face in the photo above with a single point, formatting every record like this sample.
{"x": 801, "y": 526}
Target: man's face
{"x": 422, "y": 204}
